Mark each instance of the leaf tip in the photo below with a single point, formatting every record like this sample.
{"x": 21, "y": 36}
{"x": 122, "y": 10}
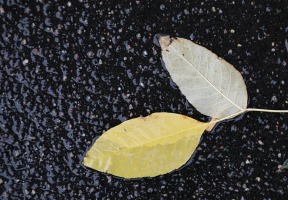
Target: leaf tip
{"x": 164, "y": 42}
{"x": 144, "y": 118}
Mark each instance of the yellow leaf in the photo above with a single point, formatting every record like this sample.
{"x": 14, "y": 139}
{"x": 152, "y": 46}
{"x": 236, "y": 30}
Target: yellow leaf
{"x": 146, "y": 146}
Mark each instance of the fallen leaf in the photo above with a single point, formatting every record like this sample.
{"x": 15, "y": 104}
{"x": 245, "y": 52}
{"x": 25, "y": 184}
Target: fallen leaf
{"x": 212, "y": 85}
{"x": 146, "y": 146}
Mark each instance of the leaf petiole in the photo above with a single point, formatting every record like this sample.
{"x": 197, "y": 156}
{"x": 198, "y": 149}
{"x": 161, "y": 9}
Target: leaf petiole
{"x": 247, "y": 110}
{"x": 265, "y": 110}
{"x": 231, "y": 116}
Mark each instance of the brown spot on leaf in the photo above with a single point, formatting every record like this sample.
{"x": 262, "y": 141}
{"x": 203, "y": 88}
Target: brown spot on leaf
{"x": 175, "y": 40}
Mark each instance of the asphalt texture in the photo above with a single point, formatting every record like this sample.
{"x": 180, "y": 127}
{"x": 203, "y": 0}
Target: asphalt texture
{"x": 69, "y": 71}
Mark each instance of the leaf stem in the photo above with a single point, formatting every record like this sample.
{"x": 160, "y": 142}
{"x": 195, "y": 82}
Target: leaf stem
{"x": 265, "y": 110}
{"x": 247, "y": 110}
{"x": 228, "y": 117}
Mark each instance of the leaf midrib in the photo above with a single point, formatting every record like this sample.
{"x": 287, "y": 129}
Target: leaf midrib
{"x": 128, "y": 148}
